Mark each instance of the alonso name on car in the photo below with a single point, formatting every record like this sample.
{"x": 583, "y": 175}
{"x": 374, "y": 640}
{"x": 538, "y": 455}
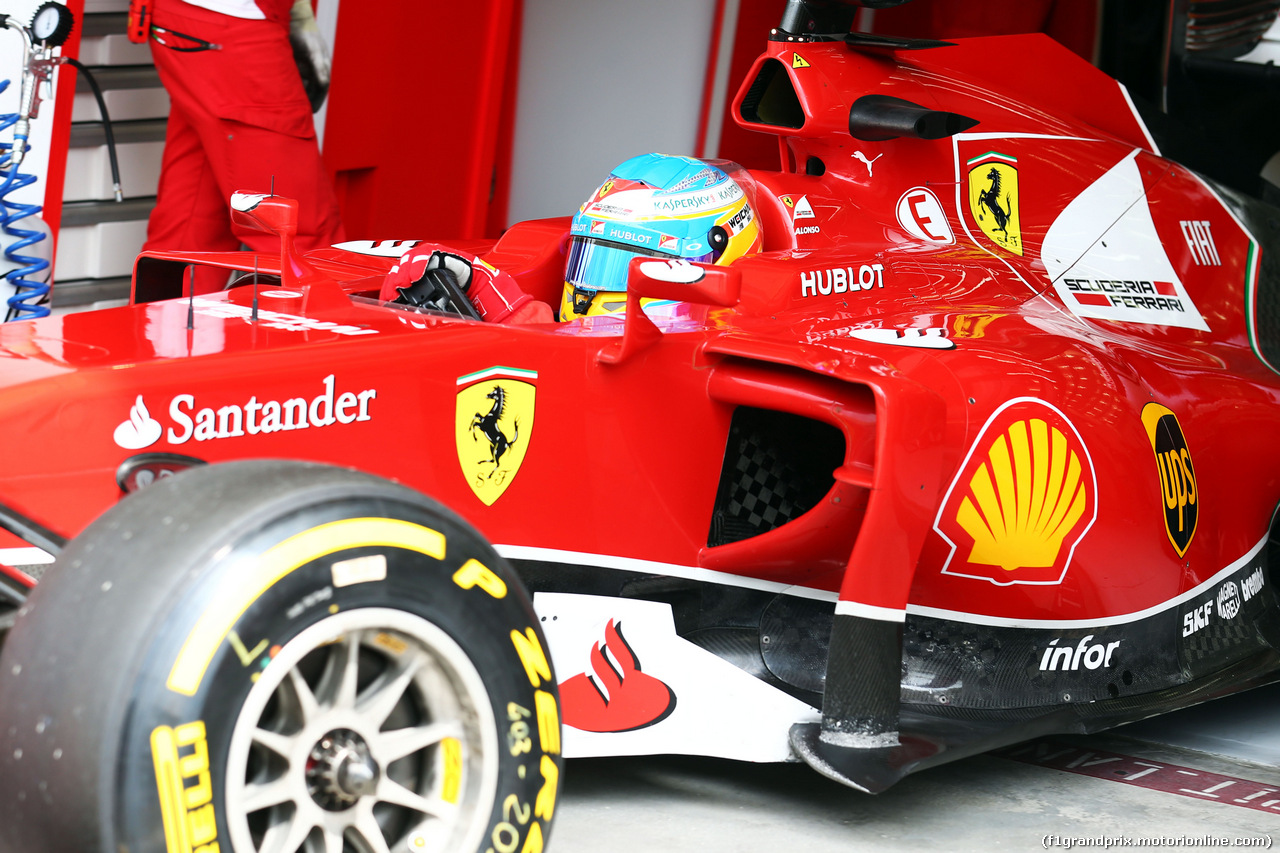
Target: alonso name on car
{"x": 1252, "y": 585}
{"x": 921, "y": 215}
{"x": 841, "y": 280}
{"x": 1228, "y": 600}
{"x": 1064, "y": 658}
{"x": 1197, "y": 619}
{"x": 808, "y": 229}
{"x": 253, "y": 418}
{"x": 1200, "y": 241}
{"x": 274, "y": 319}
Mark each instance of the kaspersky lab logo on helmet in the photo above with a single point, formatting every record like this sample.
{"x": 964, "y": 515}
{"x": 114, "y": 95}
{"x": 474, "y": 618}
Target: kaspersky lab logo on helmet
{"x": 1022, "y": 500}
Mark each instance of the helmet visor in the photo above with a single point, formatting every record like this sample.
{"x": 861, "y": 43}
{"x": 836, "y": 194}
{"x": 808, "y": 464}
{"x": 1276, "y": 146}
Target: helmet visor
{"x": 599, "y": 265}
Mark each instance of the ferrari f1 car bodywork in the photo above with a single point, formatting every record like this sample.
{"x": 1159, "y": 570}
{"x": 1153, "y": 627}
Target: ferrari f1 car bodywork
{"x": 948, "y": 465}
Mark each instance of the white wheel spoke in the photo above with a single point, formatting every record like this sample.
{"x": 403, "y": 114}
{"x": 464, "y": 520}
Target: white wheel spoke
{"x": 287, "y": 836}
{"x": 345, "y": 696}
{"x": 398, "y": 795}
{"x": 370, "y": 833}
{"x": 307, "y": 705}
{"x": 281, "y": 745}
{"x": 257, "y": 797}
{"x": 396, "y": 744}
{"x": 315, "y": 717}
{"x": 381, "y": 697}
{"x": 332, "y": 841}
{"x": 337, "y": 685}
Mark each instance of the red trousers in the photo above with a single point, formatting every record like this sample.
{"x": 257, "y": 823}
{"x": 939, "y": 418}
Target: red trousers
{"x": 238, "y": 119}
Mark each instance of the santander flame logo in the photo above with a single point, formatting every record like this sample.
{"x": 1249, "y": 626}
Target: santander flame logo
{"x": 617, "y": 696}
{"x": 141, "y": 430}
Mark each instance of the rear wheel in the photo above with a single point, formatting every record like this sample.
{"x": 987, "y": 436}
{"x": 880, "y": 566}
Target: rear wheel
{"x": 277, "y": 657}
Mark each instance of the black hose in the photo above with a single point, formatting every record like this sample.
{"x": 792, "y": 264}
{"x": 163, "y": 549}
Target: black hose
{"x": 106, "y": 122}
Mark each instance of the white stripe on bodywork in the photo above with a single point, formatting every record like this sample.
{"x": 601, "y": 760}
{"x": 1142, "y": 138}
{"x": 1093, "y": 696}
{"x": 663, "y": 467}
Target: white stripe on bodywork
{"x": 627, "y": 564}
{"x": 25, "y": 556}
{"x": 607, "y": 561}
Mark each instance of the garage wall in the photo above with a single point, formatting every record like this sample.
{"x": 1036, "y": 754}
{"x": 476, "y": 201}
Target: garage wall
{"x": 601, "y": 82}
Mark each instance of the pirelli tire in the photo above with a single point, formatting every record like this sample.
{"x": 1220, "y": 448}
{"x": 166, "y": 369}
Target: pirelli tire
{"x": 271, "y": 657}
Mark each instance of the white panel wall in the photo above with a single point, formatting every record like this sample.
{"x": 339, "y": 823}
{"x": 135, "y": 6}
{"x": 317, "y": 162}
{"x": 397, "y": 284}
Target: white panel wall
{"x": 103, "y": 250}
{"x": 89, "y": 171}
{"x": 601, "y": 82}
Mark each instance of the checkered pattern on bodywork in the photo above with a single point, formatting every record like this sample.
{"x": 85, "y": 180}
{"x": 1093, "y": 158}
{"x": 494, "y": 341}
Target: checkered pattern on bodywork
{"x": 777, "y": 467}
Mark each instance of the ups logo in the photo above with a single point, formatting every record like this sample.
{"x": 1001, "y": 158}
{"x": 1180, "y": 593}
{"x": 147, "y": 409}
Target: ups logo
{"x": 1178, "y": 489}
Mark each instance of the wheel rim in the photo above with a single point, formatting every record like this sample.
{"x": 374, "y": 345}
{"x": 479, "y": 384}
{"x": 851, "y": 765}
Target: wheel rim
{"x": 369, "y": 731}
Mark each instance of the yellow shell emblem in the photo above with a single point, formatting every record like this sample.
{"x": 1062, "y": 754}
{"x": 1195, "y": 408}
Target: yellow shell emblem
{"x": 493, "y": 423}
{"x": 1023, "y": 499}
{"x": 993, "y": 199}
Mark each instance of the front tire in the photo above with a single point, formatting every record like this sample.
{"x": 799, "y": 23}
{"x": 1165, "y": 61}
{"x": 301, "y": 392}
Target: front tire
{"x": 278, "y": 658}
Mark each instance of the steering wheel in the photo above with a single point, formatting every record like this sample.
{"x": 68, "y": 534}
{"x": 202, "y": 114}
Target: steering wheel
{"x": 438, "y": 292}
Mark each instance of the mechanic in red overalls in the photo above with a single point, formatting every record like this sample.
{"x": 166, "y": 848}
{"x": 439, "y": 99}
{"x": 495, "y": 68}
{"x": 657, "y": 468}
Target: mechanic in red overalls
{"x": 239, "y": 119}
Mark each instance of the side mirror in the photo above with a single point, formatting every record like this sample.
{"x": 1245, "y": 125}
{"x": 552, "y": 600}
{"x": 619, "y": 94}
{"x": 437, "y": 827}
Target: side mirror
{"x": 683, "y": 281}
{"x": 275, "y": 215}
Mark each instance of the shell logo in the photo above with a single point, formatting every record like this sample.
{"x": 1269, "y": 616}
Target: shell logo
{"x": 1023, "y": 499}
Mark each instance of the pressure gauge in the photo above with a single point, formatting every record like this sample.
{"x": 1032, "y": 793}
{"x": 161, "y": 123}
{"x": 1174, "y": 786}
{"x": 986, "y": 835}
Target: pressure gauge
{"x": 52, "y": 24}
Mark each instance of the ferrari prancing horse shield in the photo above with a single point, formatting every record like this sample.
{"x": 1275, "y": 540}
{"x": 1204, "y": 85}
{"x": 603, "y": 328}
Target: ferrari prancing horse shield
{"x": 993, "y": 199}
{"x": 493, "y": 424}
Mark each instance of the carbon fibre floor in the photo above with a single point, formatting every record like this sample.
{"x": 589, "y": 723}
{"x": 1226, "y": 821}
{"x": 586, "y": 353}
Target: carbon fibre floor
{"x": 1139, "y": 782}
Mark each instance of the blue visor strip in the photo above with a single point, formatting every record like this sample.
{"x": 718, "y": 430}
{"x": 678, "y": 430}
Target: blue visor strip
{"x": 638, "y": 235}
{"x": 595, "y": 266}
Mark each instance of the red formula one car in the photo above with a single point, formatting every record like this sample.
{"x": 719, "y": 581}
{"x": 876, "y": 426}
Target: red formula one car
{"x": 918, "y": 475}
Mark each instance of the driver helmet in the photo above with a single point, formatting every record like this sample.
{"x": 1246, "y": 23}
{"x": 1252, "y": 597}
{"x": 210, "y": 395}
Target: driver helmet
{"x": 654, "y": 205}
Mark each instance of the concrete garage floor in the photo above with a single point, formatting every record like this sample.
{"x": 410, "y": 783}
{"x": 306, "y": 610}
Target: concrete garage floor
{"x": 989, "y": 802}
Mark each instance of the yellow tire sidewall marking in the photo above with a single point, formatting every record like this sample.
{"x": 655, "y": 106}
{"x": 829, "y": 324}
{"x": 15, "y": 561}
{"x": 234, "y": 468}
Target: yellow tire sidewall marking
{"x": 253, "y": 577}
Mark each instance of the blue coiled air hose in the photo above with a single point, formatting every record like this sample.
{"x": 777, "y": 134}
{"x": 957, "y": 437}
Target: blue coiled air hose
{"x": 29, "y": 294}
